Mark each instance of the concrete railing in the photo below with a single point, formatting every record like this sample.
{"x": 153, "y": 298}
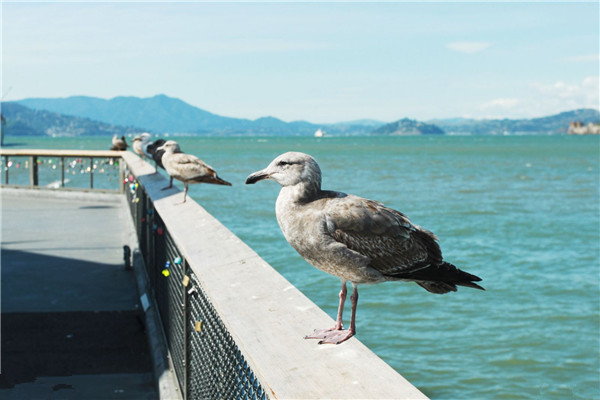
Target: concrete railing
{"x": 264, "y": 314}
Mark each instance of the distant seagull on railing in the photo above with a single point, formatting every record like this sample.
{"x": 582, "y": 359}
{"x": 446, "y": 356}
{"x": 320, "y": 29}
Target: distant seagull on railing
{"x": 140, "y": 143}
{"x": 187, "y": 168}
{"x": 154, "y": 152}
{"x": 118, "y": 144}
{"x": 355, "y": 239}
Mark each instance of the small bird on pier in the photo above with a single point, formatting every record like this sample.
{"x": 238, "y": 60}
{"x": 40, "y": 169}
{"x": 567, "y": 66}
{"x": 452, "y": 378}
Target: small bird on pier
{"x": 187, "y": 168}
{"x": 353, "y": 238}
{"x": 118, "y": 144}
{"x": 154, "y": 152}
{"x": 140, "y": 143}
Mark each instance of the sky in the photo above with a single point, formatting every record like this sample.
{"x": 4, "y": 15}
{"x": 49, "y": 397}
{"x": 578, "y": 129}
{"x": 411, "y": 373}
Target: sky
{"x": 319, "y": 62}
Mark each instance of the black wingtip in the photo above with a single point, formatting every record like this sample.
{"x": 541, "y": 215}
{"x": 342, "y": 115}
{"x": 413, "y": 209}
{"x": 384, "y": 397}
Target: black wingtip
{"x": 472, "y": 285}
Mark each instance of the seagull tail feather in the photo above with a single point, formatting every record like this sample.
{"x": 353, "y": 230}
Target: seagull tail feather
{"x": 443, "y": 278}
{"x": 218, "y": 181}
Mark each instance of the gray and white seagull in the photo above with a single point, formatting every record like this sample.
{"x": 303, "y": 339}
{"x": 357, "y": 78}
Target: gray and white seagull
{"x": 187, "y": 168}
{"x": 356, "y": 239}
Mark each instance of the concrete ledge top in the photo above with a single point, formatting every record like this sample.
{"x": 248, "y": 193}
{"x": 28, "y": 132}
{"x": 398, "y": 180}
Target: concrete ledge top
{"x": 266, "y": 315}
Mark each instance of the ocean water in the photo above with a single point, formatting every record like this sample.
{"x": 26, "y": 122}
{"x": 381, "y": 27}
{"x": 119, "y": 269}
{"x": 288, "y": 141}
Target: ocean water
{"x": 523, "y": 213}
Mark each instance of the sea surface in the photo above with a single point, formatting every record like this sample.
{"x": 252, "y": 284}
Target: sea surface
{"x": 521, "y": 212}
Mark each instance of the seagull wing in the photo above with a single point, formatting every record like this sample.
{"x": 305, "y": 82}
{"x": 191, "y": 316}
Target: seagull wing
{"x": 193, "y": 169}
{"x": 190, "y": 166}
{"x": 393, "y": 244}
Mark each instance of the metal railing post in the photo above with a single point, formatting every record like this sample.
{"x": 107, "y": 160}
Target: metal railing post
{"x": 62, "y": 172}
{"x": 91, "y": 172}
{"x": 33, "y": 171}
{"x": 121, "y": 174}
{"x": 6, "y": 170}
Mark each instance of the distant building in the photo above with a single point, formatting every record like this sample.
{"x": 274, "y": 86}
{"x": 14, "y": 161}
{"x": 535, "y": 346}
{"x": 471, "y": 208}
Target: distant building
{"x": 577, "y": 128}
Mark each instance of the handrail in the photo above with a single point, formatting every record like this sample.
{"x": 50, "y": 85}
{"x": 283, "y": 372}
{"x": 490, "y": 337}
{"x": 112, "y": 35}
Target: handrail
{"x": 61, "y": 153}
{"x": 212, "y": 272}
{"x": 33, "y": 155}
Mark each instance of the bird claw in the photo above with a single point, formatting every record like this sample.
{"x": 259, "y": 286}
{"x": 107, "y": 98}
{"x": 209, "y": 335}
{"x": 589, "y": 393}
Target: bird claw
{"x": 332, "y": 336}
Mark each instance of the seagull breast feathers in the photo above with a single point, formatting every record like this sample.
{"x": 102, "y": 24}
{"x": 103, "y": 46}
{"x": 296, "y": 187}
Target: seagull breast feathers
{"x": 386, "y": 236}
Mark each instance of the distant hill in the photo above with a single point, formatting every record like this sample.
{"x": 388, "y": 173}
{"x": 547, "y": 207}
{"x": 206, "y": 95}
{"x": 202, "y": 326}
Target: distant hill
{"x": 353, "y": 128}
{"x": 159, "y": 114}
{"x": 163, "y": 114}
{"x": 408, "y": 127}
{"x": 551, "y": 125}
{"x": 23, "y": 121}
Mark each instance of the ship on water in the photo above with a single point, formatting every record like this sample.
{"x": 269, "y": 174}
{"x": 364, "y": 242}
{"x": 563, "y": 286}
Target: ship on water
{"x": 319, "y": 133}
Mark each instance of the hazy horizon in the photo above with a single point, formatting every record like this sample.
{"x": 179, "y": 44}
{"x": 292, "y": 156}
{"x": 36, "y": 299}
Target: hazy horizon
{"x": 307, "y": 120}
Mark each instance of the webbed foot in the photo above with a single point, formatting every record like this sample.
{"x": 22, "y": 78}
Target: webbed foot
{"x": 333, "y": 336}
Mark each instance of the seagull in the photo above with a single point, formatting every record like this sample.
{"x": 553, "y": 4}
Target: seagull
{"x": 140, "y": 143}
{"x": 153, "y": 151}
{"x": 356, "y": 239}
{"x": 187, "y": 168}
{"x": 118, "y": 144}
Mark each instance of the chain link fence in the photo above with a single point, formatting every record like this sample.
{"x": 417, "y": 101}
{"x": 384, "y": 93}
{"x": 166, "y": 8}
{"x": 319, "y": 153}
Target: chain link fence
{"x": 206, "y": 360}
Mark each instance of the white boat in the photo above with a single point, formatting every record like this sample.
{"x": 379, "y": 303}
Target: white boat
{"x": 319, "y": 133}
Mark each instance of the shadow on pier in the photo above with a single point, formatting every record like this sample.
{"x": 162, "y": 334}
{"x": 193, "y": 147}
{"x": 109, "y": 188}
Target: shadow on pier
{"x": 71, "y": 323}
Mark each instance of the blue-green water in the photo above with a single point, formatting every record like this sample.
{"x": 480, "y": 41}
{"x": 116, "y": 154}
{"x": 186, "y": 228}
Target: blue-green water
{"x": 520, "y": 212}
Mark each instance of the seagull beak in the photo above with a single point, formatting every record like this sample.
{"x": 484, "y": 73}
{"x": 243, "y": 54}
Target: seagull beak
{"x": 257, "y": 176}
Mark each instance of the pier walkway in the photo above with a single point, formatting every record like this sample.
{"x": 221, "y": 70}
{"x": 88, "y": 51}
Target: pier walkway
{"x": 72, "y": 326}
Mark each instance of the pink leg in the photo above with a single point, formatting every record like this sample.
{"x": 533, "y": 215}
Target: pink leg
{"x": 339, "y": 323}
{"x": 170, "y": 184}
{"x": 337, "y": 334}
{"x": 354, "y": 302}
{"x": 185, "y": 192}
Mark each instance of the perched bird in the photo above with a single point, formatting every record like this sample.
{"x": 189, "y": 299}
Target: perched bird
{"x": 154, "y": 152}
{"x": 187, "y": 168}
{"x": 140, "y": 143}
{"x": 353, "y": 238}
{"x": 118, "y": 144}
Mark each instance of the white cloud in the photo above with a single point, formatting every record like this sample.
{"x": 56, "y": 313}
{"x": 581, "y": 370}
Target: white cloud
{"x": 582, "y": 58}
{"x": 584, "y": 94}
{"x": 468, "y": 47}
{"x": 545, "y": 99}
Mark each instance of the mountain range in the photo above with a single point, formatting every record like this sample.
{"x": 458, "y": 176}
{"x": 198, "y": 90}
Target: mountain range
{"x": 24, "y": 121}
{"x": 82, "y": 115}
{"x": 550, "y": 125}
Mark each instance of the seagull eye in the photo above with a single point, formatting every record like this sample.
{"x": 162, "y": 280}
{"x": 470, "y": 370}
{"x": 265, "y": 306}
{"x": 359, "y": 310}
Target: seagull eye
{"x": 282, "y": 163}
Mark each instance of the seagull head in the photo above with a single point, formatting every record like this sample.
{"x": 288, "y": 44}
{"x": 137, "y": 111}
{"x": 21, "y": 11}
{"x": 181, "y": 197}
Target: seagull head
{"x": 290, "y": 169}
{"x": 170, "y": 147}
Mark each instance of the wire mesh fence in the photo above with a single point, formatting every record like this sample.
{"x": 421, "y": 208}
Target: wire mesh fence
{"x": 207, "y": 362}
